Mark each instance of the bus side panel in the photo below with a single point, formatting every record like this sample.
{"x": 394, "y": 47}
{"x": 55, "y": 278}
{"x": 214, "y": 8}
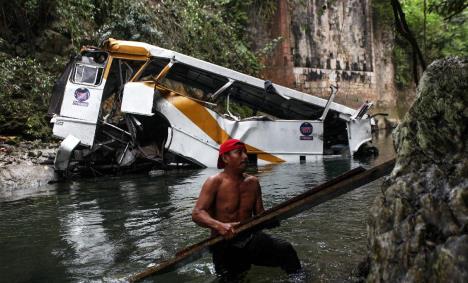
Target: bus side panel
{"x": 82, "y": 102}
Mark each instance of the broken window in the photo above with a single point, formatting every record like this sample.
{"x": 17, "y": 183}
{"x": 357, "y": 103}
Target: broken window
{"x": 89, "y": 69}
{"x": 86, "y": 74}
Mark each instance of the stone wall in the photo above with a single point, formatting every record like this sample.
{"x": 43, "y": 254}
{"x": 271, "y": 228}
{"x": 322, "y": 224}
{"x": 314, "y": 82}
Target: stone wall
{"x": 320, "y": 37}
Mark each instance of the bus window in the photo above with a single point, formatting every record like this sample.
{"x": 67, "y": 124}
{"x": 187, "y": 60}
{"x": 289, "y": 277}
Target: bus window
{"x": 89, "y": 69}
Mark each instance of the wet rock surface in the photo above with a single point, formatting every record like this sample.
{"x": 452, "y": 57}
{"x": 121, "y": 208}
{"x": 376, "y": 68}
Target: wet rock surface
{"x": 25, "y": 165}
{"x": 418, "y": 226}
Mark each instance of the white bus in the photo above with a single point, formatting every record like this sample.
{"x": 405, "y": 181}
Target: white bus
{"x": 134, "y": 105}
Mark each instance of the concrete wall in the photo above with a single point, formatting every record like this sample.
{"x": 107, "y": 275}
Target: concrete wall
{"x": 319, "y": 37}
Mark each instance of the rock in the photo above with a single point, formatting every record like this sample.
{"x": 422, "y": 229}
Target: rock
{"x": 22, "y": 166}
{"x": 6, "y": 148}
{"x": 52, "y": 42}
{"x": 24, "y": 178}
{"x": 418, "y": 226}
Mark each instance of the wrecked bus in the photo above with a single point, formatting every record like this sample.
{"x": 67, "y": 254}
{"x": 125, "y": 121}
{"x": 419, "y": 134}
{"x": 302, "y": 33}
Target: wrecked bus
{"x": 132, "y": 105}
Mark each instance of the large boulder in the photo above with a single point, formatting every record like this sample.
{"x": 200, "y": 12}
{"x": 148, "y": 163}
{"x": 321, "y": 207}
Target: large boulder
{"x": 418, "y": 226}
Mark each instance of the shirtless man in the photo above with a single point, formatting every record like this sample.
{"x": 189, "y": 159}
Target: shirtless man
{"x": 231, "y": 197}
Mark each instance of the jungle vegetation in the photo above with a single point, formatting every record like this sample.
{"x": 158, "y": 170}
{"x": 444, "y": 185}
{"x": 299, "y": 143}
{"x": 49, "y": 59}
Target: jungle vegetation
{"x": 37, "y": 38}
{"x": 425, "y": 30}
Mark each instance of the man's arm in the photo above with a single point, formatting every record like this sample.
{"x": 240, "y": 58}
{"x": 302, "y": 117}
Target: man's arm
{"x": 260, "y": 209}
{"x": 201, "y": 215}
{"x": 259, "y": 201}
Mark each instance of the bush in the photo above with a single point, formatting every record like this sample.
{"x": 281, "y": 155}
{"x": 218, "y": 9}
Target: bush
{"x": 24, "y": 91}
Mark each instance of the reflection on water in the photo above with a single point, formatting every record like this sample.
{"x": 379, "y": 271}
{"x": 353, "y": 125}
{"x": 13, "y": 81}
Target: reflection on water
{"x": 105, "y": 229}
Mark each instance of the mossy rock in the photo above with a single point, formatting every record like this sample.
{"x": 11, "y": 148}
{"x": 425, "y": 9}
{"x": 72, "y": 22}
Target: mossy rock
{"x": 417, "y": 229}
{"x": 435, "y": 128}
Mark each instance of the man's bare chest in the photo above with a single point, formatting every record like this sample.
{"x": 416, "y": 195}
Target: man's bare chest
{"x": 235, "y": 198}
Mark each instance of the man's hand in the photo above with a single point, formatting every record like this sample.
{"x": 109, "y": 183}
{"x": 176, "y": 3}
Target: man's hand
{"x": 227, "y": 229}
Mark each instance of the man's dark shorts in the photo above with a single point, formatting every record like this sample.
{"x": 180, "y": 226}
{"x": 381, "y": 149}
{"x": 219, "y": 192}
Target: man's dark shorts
{"x": 236, "y": 256}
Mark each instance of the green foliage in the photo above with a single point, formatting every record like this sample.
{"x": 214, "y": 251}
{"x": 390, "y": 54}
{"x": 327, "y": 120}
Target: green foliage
{"x": 240, "y": 110}
{"x": 383, "y": 13}
{"x": 448, "y": 8}
{"x": 130, "y": 20}
{"x": 440, "y": 32}
{"x": 269, "y": 47}
{"x": 75, "y": 17}
{"x": 21, "y": 21}
{"x": 212, "y": 30}
{"x": 442, "y": 38}
{"x": 236, "y": 108}
{"x": 437, "y": 37}
{"x": 24, "y": 91}
{"x": 208, "y": 29}
{"x": 403, "y": 75}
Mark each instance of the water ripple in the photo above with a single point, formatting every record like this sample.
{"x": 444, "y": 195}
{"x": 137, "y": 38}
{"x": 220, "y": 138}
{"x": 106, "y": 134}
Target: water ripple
{"x": 104, "y": 229}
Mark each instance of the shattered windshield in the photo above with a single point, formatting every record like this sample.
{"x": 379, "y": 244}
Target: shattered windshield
{"x": 86, "y": 74}
{"x": 89, "y": 69}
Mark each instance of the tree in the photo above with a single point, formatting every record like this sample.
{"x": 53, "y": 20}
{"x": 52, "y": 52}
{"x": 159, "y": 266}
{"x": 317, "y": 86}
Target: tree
{"x": 402, "y": 27}
{"x": 441, "y": 29}
{"x": 449, "y": 8}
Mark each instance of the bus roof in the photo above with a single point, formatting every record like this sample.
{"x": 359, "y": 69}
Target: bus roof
{"x": 213, "y": 77}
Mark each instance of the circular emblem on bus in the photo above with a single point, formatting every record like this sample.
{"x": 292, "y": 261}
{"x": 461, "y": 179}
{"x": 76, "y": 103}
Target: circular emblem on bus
{"x": 82, "y": 94}
{"x": 306, "y": 129}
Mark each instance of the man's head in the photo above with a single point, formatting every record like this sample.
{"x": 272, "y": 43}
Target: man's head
{"x": 232, "y": 153}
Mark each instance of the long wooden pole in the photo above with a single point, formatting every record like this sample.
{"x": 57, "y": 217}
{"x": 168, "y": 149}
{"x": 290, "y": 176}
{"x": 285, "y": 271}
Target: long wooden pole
{"x": 329, "y": 190}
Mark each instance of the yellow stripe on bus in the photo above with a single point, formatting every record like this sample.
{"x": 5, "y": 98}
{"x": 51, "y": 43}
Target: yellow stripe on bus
{"x": 200, "y": 116}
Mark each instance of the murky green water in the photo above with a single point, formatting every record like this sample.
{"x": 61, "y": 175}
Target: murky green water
{"x": 105, "y": 229}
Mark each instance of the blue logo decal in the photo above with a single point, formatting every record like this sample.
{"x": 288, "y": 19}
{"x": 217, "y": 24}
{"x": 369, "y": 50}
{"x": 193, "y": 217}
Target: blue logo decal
{"x": 306, "y": 129}
{"x": 82, "y": 94}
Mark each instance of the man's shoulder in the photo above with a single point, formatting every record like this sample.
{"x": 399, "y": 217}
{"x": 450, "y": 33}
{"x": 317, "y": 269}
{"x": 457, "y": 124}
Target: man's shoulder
{"x": 212, "y": 184}
{"x": 250, "y": 178}
{"x": 215, "y": 179}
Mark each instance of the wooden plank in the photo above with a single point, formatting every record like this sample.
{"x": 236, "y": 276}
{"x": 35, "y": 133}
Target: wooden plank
{"x": 329, "y": 190}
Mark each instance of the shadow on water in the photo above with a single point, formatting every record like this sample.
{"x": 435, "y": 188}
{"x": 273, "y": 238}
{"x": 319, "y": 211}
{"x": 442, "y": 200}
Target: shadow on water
{"x": 104, "y": 229}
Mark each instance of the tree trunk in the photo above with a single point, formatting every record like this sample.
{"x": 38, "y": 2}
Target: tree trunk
{"x": 402, "y": 27}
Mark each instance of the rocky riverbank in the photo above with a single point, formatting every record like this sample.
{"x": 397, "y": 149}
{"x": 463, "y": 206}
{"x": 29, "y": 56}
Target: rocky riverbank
{"x": 25, "y": 166}
{"x": 418, "y": 226}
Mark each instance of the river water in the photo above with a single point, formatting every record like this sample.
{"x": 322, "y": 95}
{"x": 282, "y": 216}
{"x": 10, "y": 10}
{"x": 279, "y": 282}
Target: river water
{"x": 105, "y": 229}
